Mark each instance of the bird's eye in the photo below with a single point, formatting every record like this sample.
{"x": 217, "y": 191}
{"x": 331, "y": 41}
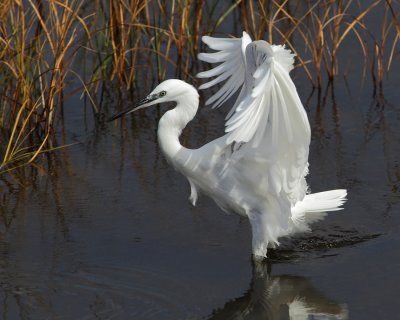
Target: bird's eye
{"x": 163, "y": 93}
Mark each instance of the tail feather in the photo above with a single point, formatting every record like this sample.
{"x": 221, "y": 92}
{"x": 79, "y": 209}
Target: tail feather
{"x": 314, "y": 207}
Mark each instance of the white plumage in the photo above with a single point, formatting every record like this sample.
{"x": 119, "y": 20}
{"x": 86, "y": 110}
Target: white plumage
{"x": 258, "y": 168}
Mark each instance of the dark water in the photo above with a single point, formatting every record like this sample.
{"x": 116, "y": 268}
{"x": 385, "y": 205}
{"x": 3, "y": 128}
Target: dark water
{"x": 109, "y": 232}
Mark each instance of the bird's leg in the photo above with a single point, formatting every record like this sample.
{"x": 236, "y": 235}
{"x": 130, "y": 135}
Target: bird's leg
{"x": 259, "y": 236}
{"x": 261, "y": 268}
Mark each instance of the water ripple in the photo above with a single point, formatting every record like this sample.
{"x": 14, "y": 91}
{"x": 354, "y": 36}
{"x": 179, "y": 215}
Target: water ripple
{"x": 98, "y": 293}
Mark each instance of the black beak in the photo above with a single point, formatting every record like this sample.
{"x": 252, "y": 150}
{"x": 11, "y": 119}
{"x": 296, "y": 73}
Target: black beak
{"x": 142, "y": 104}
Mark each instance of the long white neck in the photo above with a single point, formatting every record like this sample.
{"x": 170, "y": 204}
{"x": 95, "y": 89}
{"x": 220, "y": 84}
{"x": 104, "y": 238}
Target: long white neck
{"x": 174, "y": 121}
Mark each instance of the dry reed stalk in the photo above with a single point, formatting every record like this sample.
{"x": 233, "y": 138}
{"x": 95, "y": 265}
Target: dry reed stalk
{"x": 38, "y": 51}
{"x": 396, "y": 21}
{"x": 382, "y": 60}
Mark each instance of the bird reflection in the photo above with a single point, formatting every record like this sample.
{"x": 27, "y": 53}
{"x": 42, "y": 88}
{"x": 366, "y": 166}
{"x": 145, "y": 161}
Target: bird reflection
{"x": 280, "y": 297}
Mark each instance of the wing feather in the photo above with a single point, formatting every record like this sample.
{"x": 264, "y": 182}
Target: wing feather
{"x": 230, "y": 55}
{"x": 223, "y": 94}
{"x": 215, "y": 57}
{"x": 221, "y": 43}
{"x": 285, "y": 113}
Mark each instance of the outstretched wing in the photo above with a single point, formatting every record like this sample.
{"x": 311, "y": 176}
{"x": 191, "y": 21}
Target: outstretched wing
{"x": 268, "y": 97}
{"x": 268, "y": 115}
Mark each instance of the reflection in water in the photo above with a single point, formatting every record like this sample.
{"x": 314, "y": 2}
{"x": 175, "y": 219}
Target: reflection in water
{"x": 280, "y": 297}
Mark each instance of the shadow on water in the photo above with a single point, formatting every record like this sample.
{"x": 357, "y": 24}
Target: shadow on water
{"x": 280, "y": 297}
{"x": 319, "y": 244}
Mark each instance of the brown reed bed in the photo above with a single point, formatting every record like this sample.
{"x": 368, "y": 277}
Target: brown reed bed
{"x": 116, "y": 40}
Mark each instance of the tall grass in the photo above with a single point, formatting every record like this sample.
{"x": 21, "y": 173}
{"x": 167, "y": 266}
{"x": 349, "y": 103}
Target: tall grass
{"x": 117, "y": 41}
{"x": 38, "y": 46}
{"x": 314, "y": 30}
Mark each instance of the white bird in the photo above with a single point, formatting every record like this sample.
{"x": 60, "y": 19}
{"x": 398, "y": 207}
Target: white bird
{"x": 258, "y": 168}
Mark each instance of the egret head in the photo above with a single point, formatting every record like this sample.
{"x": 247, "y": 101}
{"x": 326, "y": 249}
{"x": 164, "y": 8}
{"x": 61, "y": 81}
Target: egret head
{"x": 168, "y": 90}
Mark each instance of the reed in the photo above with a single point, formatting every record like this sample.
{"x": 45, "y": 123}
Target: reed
{"x": 38, "y": 46}
{"x": 381, "y": 60}
{"x": 122, "y": 42}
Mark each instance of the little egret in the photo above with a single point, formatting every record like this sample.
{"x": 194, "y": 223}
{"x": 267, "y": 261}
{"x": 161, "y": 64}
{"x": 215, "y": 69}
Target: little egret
{"x": 258, "y": 168}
